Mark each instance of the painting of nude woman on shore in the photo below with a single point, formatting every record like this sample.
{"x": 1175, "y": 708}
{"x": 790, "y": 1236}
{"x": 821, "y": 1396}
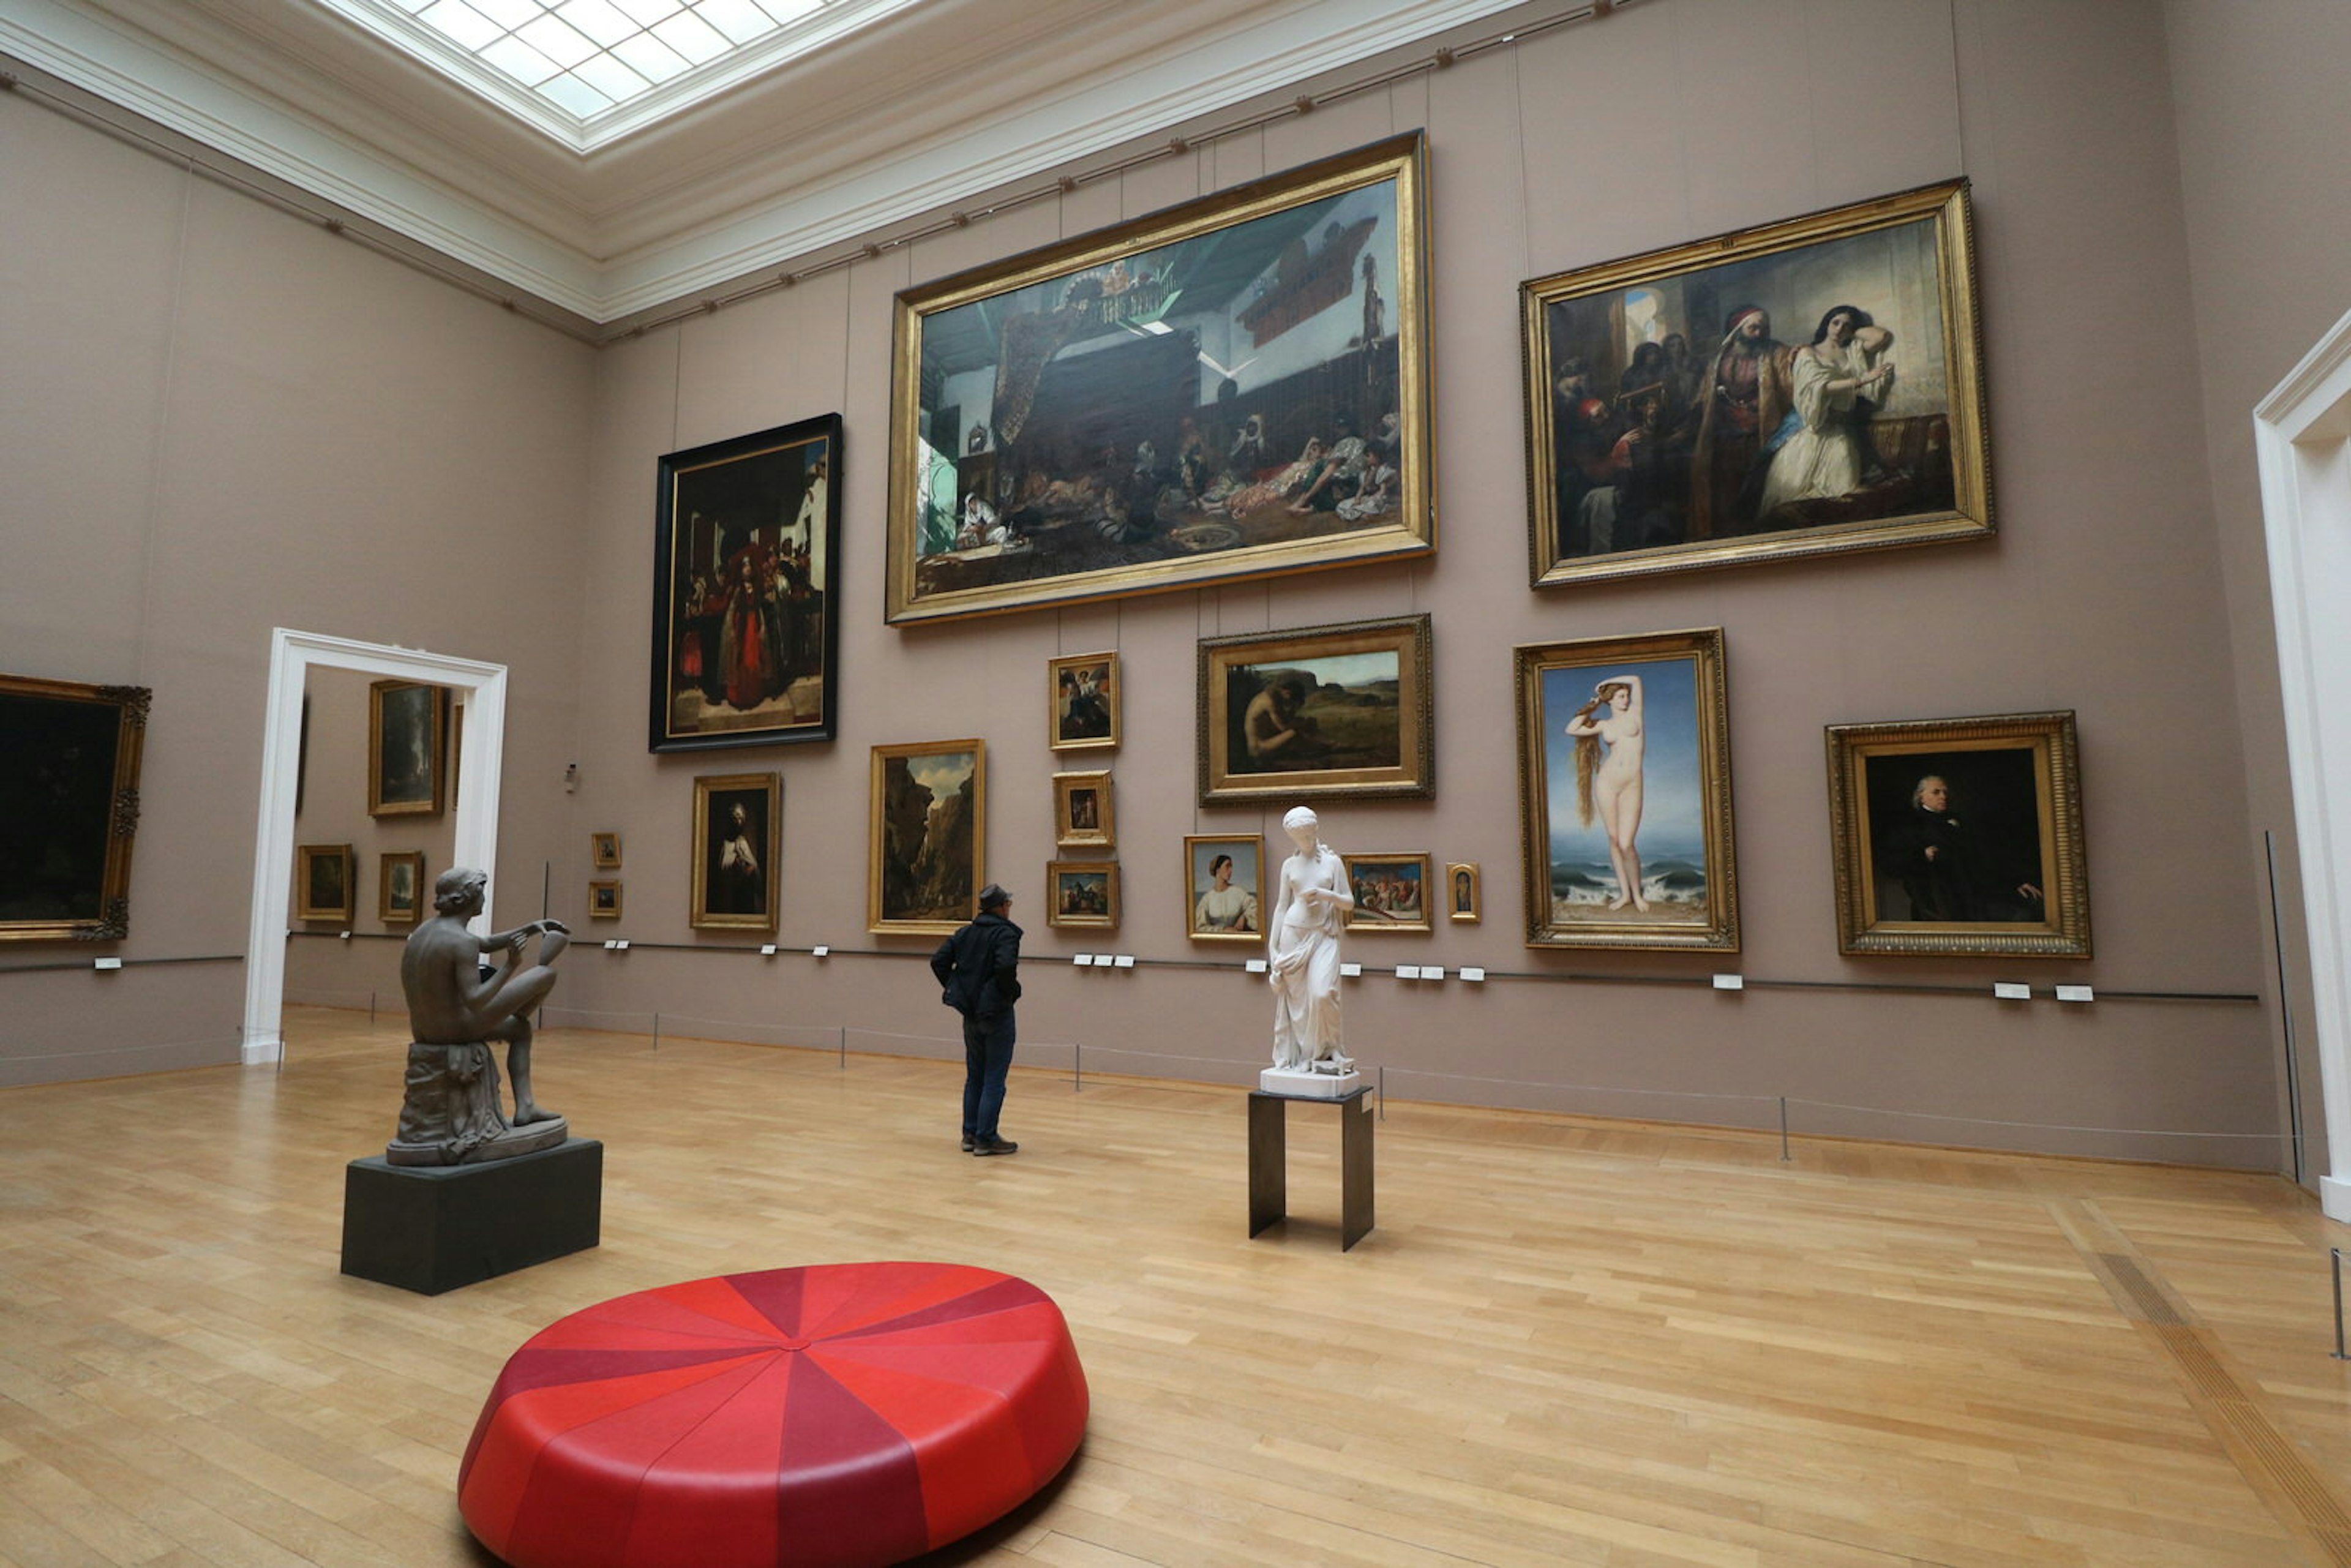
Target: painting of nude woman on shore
{"x": 1320, "y": 710}
{"x": 1807, "y": 388}
{"x": 1625, "y": 784}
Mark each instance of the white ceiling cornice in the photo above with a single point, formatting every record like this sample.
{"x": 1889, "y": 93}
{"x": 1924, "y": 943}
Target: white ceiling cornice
{"x": 922, "y": 108}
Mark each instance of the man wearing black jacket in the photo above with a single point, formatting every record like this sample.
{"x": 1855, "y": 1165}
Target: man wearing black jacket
{"x": 979, "y": 974}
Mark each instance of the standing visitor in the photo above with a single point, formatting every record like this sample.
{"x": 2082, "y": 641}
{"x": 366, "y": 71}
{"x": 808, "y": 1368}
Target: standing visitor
{"x": 979, "y": 974}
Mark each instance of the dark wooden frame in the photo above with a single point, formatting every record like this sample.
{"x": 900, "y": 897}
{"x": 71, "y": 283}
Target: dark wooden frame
{"x": 675, "y": 621}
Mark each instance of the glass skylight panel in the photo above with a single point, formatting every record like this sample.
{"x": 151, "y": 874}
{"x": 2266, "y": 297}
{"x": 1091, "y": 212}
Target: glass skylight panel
{"x": 583, "y": 57}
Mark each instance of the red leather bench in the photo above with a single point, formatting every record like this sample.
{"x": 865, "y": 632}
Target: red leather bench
{"x": 846, "y": 1413}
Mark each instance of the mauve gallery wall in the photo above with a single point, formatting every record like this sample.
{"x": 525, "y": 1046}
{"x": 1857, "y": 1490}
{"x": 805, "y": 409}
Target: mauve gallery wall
{"x": 1664, "y": 123}
{"x": 219, "y": 420}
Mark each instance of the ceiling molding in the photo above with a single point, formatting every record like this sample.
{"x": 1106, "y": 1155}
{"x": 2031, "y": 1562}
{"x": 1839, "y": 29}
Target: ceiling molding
{"x": 925, "y": 107}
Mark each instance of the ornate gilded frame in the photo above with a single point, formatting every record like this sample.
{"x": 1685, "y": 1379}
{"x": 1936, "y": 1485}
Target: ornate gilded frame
{"x": 1067, "y": 833}
{"x": 959, "y": 582}
{"x": 892, "y": 767}
{"x": 388, "y": 911}
{"x": 1225, "y": 779}
{"x": 76, "y": 746}
{"x": 1547, "y": 311}
{"x": 1056, "y": 870}
{"x": 1197, "y": 883}
{"x": 308, "y": 856}
{"x": 436, "y": 730}
{"x": 706, "y": 850}
{"x": 1109, "y": 683}
{"x": 1556, "y": 676}
{"x": 1370, "y": 915}
{"x": 1475, "y": 912}
{"x": 1862, "y": 812}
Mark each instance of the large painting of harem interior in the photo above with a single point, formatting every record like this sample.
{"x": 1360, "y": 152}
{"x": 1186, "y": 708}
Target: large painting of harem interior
{"x": 1241, "y": 399}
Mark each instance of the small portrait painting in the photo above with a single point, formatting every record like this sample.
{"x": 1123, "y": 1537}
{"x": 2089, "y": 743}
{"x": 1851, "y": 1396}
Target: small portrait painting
{"x": 399, "y": 882}
{"x": 404, "y": 736}
{"x": 1085, "y": 697}
{"x": 606, "y": 848}
{"x": 1391, "y": 892}
{"x": 322, "y": 881}
{"x": 738, "y": 838}
{"x": 1461, "y": 894}
{"x": 1083, "y": 809}
{"x": 1222, "y": 876}
{"x": 927, "y": 836}
{"x": 1082, "y": 894}
{"x": 603, "y": 901}
{"x": 1960, "y": 837}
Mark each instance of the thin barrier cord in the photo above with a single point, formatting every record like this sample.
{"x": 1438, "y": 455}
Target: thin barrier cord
{"x": 235, "y": 1037}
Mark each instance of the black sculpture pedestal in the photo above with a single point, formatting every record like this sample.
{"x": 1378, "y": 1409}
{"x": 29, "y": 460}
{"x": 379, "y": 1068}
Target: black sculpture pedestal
{"x": 431, "y": 1229}
{"x": 1269, "y": 1160}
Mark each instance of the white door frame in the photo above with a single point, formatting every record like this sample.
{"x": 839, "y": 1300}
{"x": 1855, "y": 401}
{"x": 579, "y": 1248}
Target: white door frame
{"x": 2301, "y": 436}
{"x": 481, "y": 696}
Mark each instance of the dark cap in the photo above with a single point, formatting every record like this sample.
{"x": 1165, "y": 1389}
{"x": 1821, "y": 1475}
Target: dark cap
{"x": 994, "y": 896}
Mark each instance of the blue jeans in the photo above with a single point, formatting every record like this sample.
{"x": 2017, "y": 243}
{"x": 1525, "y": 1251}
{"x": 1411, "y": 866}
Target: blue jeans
{"x": 987, "y": 1058}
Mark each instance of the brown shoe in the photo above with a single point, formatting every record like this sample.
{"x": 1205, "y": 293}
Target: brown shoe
{"x": 995, "y": 1146}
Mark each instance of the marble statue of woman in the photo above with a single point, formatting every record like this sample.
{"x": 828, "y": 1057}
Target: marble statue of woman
{"x": 1309, "y": 908}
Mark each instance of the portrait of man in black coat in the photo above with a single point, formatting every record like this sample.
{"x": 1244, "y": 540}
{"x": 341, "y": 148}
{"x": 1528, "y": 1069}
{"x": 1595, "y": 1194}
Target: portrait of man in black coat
{"x": 1961, "y": 852}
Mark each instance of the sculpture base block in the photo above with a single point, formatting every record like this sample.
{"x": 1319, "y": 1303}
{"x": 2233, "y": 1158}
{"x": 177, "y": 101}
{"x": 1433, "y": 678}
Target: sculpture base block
{"x": 430, "y": 1228}
{"x": 1303, "y": 1085}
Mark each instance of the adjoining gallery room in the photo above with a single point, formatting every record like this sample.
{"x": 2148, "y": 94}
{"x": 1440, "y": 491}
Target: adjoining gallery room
{"x": 1244, "y": 783}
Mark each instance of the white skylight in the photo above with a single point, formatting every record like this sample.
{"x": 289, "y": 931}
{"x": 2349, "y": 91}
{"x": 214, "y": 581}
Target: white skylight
{"x": 567, "y": 64}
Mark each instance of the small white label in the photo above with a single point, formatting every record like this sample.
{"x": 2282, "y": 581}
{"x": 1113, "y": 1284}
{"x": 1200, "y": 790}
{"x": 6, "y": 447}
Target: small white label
{"x": 609, "y": 944}
{"x": 767, "y": 950}
{"x": 2074, "y": 993}
{"x": 1731, "y": 982}
{"x": 1350, "y": 971}
{"x": 1125, "y": 960}
{"x": 624, "y": 944}
{"x": 1431, "y": 972}
{"x": 1473, "y": 975}
{"x": 344, "y": 938}
{"x": 1256, "y": 966}
{"x": 819, "y": 950}
{"x": 109, "y": 964}
{"x": 1408, "y": 971}
{"x": 1081, "y": 960}
{"x": 2011, "y": 991}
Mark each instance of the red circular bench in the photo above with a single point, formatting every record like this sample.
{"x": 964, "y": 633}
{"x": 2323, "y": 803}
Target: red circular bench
{"x": 846, "y": 1413}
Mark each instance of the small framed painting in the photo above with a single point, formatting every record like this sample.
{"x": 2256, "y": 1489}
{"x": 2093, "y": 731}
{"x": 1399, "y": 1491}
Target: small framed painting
{"x": 1391, "y": 892}
{"x": 1318, "y": 710}
{"x": 1960, "y": 837}
{"x": 738, "y": 838}
{"x": 926, "y": 836}
{"x": 406, "y": 724}
{"x": 1083, "y": 694}
{"x": 1463, "y": 903}
{"x": 1223, "y": 876}
{"x": 606, "y": 848}
{"x": 604, "y": 900}
{"x": 322, "y": 881}
{"x": 1082, "y": 894}
{"x": 1081, "y": 810}
{"x": 399, "y": 887}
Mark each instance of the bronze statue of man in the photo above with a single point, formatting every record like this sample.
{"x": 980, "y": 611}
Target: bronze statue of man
{"x": 452, "y": 1114}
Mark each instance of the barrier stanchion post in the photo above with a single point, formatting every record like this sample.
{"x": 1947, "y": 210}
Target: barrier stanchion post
{"x": 371, "y": 1009}
{"x": 1077, "y": 1067}
{"x": 1384, "y": 1091}
{"x": 2336, "y": 1254}
{"x": 657, "y": 1032}
{"x": 1783, "y": 1129}
{"x": 844, "y": 1047}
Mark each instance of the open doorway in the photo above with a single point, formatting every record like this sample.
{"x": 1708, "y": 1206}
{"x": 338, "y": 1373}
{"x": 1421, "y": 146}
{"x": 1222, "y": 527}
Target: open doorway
{"x": 478, "y": 732}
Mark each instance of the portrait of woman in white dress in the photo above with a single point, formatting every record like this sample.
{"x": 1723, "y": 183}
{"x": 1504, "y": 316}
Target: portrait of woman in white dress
{"x": 1837, "y": 380}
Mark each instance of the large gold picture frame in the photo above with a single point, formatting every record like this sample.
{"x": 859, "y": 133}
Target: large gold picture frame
{"x": 71, "y": 774}
{"x": 927, "y": 837}
{"x": 1805, "y": 388}
{"x": 1629, "y": 845}
{"x": 1960, "y": 837}
{"x": 1342, "y": 709}
{"x": 1236, "y": 387}
{"x": 738, "y": 843}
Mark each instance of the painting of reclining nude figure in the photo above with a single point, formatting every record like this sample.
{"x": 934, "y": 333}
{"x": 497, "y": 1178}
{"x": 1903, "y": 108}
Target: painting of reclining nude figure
{"x": 1625, "y": 784}
{"x": 1236, "y": 387}
{"x": 1802, "y": 389}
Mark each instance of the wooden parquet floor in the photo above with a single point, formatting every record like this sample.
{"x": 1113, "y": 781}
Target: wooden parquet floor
{"x": 1567, "y": 1341}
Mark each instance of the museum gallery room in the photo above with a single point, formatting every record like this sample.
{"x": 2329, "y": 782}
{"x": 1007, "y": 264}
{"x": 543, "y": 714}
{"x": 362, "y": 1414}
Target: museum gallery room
{"x": 1230, "y": 782}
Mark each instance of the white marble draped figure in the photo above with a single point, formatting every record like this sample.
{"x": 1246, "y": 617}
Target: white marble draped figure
{"x": 1309, "y": 910}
